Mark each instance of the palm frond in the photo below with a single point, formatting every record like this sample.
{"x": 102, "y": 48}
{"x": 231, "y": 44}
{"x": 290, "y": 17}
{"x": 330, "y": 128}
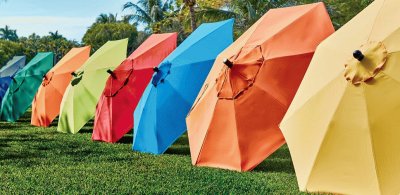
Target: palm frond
{"x": 209, "y": 14}
{"x": 138, "y": 13}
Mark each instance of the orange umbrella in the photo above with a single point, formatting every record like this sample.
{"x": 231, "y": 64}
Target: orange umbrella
{"x": 234, "y": 121}
{"x": 46, "y": 105}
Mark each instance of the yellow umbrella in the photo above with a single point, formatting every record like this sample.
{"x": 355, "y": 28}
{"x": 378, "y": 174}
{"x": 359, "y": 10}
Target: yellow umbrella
{"x": 343, "y": 126}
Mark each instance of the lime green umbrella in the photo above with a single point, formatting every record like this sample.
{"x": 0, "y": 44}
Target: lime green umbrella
{"x": 23, "y": 87}
{"x": 78, "y": 105}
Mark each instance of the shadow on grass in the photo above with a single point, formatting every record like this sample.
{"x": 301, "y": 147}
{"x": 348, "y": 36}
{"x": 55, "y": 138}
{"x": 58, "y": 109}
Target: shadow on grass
{"x": 127, "y": 139}
{"x": 28, "y": 148}
{"x": 88, "y": 130}
{"x": 4, "y": 145}
{"x": 22, "y": 138}
{"x": 12, "y": 126}
{"x": 280, "y": 161}
{"x": 180, "y": 147}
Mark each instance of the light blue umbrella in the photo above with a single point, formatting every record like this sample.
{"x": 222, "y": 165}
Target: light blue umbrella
{"x": 159, "y": 118}
{"x": 8, "y": 72}
{"x": 24, "y": 86}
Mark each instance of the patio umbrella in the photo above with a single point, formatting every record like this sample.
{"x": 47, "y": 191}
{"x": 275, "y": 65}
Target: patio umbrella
{"x": 125, "y": 86}
{"x": 46, "y": 104}
{"x": 343, "y": 127}
{"x": 160, "y": 115}
{"x": 8, "y": 72}
{"x": 13, "y": 66}
{"x": 23, "y": 87}
{"x": 78, "y": 105}
{"x": 234, "y": 121}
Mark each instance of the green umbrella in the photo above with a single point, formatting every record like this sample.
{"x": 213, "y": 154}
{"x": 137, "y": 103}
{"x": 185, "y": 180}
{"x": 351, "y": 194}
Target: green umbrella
{"x": 23, "y": 87}
{"x": 79, "y": 102}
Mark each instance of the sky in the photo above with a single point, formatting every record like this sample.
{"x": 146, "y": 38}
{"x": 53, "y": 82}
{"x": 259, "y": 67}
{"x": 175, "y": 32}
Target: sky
{"x": 70, "y": 17}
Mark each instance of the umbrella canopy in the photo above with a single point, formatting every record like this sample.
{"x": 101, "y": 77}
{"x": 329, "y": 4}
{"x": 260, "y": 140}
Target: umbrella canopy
{"x": 160, "y": 115}
{"x": 126, "y": 85}
{"x": 8, "y": 71}
{"x": 342, "y": 128}
{"x": 46, "y": 104}
{"x": 23, "y": 87}
{"x": 234, "y": 121}
{"x": 78, "y": 105}
{"x": 13, "y": 66}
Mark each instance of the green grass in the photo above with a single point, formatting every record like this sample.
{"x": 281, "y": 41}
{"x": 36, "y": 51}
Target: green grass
{"x": 40, "y": 160}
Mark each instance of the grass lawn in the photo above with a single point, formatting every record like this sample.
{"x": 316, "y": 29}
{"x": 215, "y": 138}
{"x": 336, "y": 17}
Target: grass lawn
{"x": 40, "y": 160}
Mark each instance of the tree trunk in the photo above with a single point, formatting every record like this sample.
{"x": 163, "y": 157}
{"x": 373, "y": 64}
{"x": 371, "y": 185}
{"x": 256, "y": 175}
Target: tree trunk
{"x": 191, "y": 4}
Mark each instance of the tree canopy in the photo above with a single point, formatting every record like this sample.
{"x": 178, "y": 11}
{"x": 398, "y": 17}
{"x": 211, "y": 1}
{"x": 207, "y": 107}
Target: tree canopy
{"x": 99, "y": 33}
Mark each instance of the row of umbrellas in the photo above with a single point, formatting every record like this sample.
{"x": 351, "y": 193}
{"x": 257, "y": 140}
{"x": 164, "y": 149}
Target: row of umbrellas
{"x": 332, "y": 96}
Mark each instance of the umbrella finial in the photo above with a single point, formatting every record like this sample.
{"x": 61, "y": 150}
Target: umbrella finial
{"x": 111, "y": 73}
{"x": 358, "y": 55}
{"x": 228, "y": 63}
{"x": 156, "y": 69}
{"x": 74, "y": 74}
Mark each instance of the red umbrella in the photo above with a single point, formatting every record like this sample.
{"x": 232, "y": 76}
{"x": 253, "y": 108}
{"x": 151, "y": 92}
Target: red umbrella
{"x": 125, "y": 87}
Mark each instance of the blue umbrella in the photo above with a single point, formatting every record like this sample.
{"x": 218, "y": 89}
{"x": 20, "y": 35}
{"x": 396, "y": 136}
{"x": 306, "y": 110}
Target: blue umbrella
{"x": 159, "y": 118}
{"x": 8, "y": 71}
{"x": 24, "y": 86}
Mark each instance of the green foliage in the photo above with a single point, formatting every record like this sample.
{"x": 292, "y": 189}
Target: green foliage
{"x": 247, "y": 12}
{"x": 104, "y": 18}
{"x": 98, "y": 34}
{"x": 31, "y": 45}
{"x": 343, "y": 10}
{"x": 148, "y": 11}
{"x": 9, "y": 49}
{"x": 53, "y": 42}
{"x": 40, "y": 160}
{"x": 8, "y": 34}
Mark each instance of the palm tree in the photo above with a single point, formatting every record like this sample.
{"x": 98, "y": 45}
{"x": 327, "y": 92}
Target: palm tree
{"x": 148, "y": 11}
{"x": 191, "y": 4}
{"x": 55, "y": 35}
{"x": 8, "y": 34}
{"x": 249, "y": 11}
{"x": 104, "y": 18}
{"x": 203, "y": 13}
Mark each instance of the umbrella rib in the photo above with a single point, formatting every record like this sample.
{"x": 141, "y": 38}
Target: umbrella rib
{"x": 56, "y": 89}
{"x": 371, "y": 141}
{"x": 376, "y": 18}
{"x": 287, "y": 26}
{"x": 309, "y": 99}
{"x": 290, "y": 55}
{"x": 71, "y": 57}
{"x": 237, "y": 136}
{"x": 195, "y": 43}
{"x": 149, "y": 50}
{"x": 391, "y": 77}
{"x": 269, "y": 94}
{"x": 206, "y": 135}
{"x": 323, "y": 140}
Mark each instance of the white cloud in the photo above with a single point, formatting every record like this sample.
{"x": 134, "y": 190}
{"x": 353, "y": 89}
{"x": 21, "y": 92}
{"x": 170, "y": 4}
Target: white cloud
{"x": 70, "y": 27}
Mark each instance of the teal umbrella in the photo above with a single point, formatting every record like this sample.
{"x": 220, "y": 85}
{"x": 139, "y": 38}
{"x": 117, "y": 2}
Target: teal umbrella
{"x": 23, "y": 87}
